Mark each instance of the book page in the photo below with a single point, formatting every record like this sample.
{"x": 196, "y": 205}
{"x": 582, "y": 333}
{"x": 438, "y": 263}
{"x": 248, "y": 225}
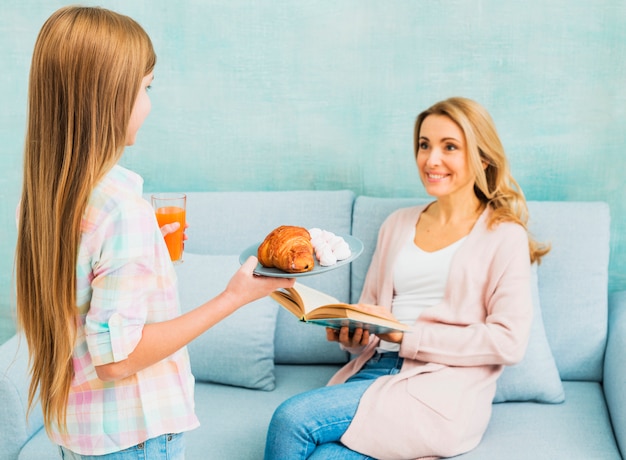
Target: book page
{"x": 301, "y": 299}
{"x": 350, "y": 313}
{"x": 287, "y": 300}
{"x": 312, "y": 298}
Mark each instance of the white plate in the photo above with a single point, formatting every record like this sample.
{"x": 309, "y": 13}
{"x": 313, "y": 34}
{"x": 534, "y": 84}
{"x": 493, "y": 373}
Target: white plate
{"x": 356, "y": 248}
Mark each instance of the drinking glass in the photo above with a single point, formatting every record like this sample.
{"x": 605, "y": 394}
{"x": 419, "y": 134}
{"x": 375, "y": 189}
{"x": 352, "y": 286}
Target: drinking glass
{"x": 169, "y": 208}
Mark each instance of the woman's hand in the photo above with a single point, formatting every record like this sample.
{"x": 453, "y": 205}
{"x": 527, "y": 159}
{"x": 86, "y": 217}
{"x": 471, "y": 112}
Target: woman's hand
{"x": 359, "y": 337}
{"x": 377, "y": 310}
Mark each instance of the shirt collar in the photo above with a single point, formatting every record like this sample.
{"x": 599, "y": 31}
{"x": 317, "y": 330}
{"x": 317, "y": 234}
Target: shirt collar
{"x": 128, "y": 178}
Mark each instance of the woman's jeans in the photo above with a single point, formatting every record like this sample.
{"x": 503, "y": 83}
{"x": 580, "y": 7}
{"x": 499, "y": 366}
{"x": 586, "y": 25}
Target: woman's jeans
{"x": 310, "y": 425}
{"x": 164, "y": 447}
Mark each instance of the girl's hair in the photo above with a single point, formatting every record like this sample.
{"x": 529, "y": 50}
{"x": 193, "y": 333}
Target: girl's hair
{"x": 86, "y": 71}
{"x": 494, "y": 186}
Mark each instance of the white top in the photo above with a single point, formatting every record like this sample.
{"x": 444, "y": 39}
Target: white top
{"x": 419, "y": 280}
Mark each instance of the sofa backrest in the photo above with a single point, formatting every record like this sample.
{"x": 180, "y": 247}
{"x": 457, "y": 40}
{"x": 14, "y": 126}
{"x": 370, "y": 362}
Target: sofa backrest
{"x": 573, "y": 277}
{"x": 573, "y": 283}
{"x": 226, "y": 223}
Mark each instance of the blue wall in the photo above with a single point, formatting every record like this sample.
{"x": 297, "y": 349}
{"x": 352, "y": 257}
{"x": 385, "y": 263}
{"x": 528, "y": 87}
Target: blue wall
{"x": 287, "y": 94}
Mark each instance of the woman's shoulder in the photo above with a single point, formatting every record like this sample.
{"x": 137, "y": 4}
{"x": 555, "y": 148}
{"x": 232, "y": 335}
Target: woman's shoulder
{"x": 508, "y": 228}
{"x": 507, "y": 232}
{"x": 407, "y": 213}
{"x": 399, "y": 219}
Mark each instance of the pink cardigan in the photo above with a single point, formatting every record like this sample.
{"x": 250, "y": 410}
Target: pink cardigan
{"x": 439, "y": 405}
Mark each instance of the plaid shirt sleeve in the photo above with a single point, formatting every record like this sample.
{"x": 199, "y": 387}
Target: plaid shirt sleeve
{"x": 123, "y": 276}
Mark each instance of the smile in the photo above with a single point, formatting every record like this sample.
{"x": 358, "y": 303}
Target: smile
{"x": 436, "y": 176}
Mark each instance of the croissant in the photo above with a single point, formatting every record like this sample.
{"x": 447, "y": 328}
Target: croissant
{"x": 287, "y": 248}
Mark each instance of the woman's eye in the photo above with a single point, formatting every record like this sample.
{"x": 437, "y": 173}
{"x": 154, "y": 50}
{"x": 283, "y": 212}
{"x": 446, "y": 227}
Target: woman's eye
{"x": 450, "y": 148}
{"x": 423, "y": 145}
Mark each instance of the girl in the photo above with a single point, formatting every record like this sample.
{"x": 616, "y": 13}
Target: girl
{"x": 96, "y": 290}
{"x": 458, "y": 271}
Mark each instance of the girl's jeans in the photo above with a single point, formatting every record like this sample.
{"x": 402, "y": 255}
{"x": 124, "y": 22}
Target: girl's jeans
{"x": 164, "y": 447}
{"x": 310, "y": 425}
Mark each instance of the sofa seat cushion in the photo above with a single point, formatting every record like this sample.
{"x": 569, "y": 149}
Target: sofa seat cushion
{"x": 238, "y": 350}
{"x": 234, "y": 421}
{"x": 579, "y": 428}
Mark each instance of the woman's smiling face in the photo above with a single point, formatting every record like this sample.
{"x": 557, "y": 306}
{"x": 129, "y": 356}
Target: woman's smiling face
{"x": 442, "y": 158}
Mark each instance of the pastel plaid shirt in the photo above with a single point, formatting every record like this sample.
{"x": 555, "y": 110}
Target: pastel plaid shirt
{"x": 125, "y": 279}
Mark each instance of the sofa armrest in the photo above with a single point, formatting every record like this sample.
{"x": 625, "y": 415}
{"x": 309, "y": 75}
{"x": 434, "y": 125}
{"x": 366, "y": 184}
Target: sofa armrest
{"x": 16, "y": 430}
{"x": 614, "y": 368}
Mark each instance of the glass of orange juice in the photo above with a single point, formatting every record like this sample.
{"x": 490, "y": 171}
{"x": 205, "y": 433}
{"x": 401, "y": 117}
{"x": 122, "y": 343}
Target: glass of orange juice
{"x": 169, "y": 208}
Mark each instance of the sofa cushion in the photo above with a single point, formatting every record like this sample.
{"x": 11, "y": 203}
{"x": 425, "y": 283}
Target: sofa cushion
{"x": 239, "y": 350}
{"x": 368, "y": 215}
{"x": 580, "y": 428}
{"x": 536, "y": 377}
{"x": 234, "y": 421}
{"x": 573, "y": 282}
{"x": 14, "y": 383}
{"x": 235, "y": 220}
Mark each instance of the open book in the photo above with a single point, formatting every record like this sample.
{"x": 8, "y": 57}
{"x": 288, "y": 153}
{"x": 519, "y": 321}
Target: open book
{"x": 316, "y": 307}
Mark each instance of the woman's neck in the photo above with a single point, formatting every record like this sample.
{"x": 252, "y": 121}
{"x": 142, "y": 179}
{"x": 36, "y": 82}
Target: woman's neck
{"x": 450, "y": 212}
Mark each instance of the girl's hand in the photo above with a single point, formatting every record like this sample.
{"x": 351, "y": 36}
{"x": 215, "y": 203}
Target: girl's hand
{"x": 245, "y": 287}
{"x": 171, "y": 228}
{"x": 359, "y": 337}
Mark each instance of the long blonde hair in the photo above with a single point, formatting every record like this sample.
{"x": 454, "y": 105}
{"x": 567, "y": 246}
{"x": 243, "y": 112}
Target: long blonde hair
{"x": 86, "y": 71}
{"x": 494, "y": 186}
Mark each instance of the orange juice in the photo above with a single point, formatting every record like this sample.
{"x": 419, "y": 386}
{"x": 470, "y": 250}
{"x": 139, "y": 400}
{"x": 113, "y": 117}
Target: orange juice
{"x": 174, "y": 240}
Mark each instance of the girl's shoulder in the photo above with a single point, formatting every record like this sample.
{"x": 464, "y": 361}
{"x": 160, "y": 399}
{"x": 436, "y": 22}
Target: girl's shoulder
{"x": 114, "y": 199}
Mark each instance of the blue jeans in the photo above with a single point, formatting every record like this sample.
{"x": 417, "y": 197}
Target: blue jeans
{"x": 310, "y": 425}
{"x": 164, "y": 447}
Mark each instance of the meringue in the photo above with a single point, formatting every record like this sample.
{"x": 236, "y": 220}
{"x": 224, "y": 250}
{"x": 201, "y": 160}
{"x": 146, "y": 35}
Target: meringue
{"x": 327, "y": 257}
{"x": 342, "y": 250}
{"x": 315, "y": 232}
{"x": 329, "y": 248}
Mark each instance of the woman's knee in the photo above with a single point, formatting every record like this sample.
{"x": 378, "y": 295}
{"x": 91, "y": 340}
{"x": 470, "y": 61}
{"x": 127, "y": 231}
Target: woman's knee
{"x": 335, "y": 451}
{"x": 291, "y": 412}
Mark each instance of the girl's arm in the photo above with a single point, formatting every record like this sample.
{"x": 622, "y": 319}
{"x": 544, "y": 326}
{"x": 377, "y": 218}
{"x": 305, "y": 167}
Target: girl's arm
{"x": 160, "y": 340}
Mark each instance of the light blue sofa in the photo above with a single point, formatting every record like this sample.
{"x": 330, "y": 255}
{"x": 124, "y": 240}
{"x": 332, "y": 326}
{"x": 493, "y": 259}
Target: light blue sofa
{"x": 261, "y": 355}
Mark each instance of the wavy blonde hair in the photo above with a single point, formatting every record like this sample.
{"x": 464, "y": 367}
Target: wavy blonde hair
{"x": 86, "y": 71}
{"x": 494, "y": 185}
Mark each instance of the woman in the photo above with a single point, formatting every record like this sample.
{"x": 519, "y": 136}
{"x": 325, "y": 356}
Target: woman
{"x": 96, "y": 290}
{"x": 458, "y": 271}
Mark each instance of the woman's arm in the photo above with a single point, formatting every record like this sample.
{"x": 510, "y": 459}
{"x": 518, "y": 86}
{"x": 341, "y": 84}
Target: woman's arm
{"x": 485, "y": 316}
